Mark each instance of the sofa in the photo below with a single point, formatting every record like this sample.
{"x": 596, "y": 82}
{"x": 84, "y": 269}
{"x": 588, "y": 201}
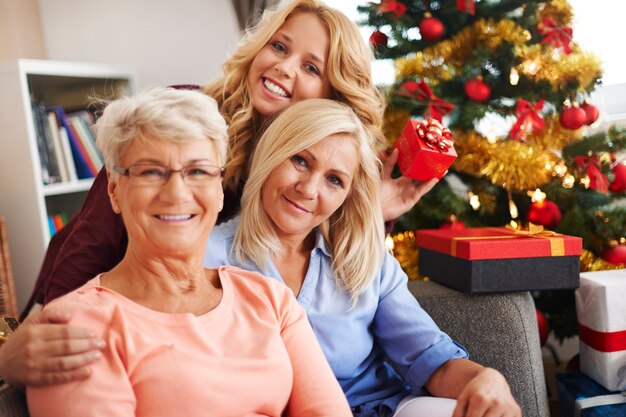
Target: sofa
{"x": 499, "y": 331}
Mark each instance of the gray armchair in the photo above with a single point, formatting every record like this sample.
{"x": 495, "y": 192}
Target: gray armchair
{"x": 499, "y": 331}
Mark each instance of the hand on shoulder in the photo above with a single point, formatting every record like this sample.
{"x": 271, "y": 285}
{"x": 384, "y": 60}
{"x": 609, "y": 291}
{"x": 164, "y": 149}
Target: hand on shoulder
{"x": 46, "y": 350}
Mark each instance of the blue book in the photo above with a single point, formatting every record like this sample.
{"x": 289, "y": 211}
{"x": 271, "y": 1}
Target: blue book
{"x": 83, "y": 170}
{"x": 51, "y": 225}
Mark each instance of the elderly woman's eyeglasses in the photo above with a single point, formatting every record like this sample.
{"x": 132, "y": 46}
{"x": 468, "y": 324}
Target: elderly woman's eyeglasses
{"x": 155, "y": 174}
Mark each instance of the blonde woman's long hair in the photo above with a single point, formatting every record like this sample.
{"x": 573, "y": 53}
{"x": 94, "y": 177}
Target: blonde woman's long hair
{"x": 355, "y": 231}
{"x": 348, "y": 71}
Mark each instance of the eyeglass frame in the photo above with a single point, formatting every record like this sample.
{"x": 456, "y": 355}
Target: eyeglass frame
{"x": 168, "y": 172}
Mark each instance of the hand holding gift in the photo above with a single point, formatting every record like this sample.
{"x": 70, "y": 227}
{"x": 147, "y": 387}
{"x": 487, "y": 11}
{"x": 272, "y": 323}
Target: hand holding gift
{"x": 426, "y": 149}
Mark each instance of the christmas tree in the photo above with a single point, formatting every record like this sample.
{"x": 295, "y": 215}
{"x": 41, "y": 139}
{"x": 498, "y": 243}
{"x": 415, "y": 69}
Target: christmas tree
{"x": 513, "y": 87}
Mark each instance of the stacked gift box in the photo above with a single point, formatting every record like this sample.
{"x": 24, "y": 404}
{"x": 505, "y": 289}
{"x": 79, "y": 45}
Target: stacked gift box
{"x": 499, "y": 259}
{"x": 600, "y": 389}
{"x": 581, "y": 396}
{"x": 601, "y": 313}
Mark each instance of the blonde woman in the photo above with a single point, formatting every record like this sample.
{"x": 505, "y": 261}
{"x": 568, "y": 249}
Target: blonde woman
{"x": 303, "y": 49}
{"x": 268, "y": 53}
{"x": 310, "y": 219}
{"x": 182, "y": 339}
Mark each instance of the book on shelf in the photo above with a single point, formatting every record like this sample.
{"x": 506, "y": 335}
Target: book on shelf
{"x": 50, "y": 172}
{"x": 85, "y": 168}
{"x": 81, "y": 122}
{"x": 59, "y": 134}
{"x": 67, "y": 151}
{"x": 56, "y": 222}
{"x": 62, "y": 163}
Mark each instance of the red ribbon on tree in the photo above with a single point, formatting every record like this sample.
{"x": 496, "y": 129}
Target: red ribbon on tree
{"x": 597, "y": 180}
{"x": 434, "y": 134}
{"x": 557, "y": 36}
{"x": 435, "y": 108}
{"x": 527, "y": 116}
{"x": 466, "y": 6}
{"x": 392, "y": 6}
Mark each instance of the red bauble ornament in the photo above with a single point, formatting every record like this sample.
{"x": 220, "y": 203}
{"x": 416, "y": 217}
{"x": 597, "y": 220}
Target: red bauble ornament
{"x": 477, "y": 90}
{"x": 431, "y": 28}
{"x": 378, "y": 39}
{"x": 616, "y": 255}
{"x": 618, "y": 185}
{"x": 573, "y": 117}
{"x": 546, "y": 213}
{"x": 592, "y": 113}
{"x": 544, "y": 327}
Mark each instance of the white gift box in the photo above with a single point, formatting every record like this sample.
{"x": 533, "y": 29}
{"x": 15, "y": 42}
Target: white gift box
{"x": 601, "y": 312}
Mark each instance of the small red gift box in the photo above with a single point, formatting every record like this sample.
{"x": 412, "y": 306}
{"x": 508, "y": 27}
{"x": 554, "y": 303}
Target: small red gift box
{"x": 496, "y": 259}
{"x": 426, "y": 150}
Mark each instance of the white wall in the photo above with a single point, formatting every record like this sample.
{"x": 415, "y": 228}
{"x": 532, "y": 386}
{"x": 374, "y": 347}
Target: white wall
{"x": 600, "y": 30}
{"x": 167, "y": 41}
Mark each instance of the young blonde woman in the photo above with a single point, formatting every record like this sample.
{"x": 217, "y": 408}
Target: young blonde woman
{"x": 310, "y": 219}
{"x": 301, "y": 50}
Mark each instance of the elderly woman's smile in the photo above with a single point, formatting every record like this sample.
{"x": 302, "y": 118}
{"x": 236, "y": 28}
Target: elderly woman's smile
{"x": 169, "y": 193}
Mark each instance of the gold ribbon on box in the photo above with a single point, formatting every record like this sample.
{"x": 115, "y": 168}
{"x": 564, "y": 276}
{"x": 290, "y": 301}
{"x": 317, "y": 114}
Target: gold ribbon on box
{"x": 557, "y": 244}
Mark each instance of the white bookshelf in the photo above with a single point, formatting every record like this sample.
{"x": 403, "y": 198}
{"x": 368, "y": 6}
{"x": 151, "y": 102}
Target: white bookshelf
{"x": 24, "y": 200}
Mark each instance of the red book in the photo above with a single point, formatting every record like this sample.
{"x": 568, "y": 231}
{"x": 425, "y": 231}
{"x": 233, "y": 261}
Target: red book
{"x": 57, "y": 219}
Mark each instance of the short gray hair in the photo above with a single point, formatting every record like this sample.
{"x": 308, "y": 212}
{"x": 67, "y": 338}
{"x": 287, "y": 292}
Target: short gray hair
{"x": 164, "y": 113}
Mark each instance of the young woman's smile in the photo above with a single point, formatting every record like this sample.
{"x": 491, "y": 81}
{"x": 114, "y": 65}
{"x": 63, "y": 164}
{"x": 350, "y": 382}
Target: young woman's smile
{"x": 292, "y": 66}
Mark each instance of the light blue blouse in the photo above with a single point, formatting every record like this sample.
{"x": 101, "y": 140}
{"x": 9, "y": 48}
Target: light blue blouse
{"x": 370, "y": 346}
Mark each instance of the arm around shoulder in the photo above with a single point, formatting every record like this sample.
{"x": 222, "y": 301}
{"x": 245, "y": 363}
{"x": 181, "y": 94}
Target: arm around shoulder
{"x": 106, "y": 392}
{"x": 45, "y": 350}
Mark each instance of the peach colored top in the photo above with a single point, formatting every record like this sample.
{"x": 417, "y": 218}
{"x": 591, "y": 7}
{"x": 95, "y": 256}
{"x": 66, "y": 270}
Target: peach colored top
{"x": 255, "y": 354}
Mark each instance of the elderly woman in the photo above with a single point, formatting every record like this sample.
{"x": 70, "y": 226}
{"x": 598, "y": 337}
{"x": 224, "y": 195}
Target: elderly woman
{"x": 311, "y": 219}
{"x": 182, "y": 339}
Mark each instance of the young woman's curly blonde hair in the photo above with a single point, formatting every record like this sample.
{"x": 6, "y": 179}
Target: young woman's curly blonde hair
{"x": 355, "y": 231}
{"x": 348, "y": 71}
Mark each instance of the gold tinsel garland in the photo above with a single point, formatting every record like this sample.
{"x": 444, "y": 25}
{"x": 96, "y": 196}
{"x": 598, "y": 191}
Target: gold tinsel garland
{"x": 406, "y": 252}
{"x": 558, "y": 10}
{"x": 446, "y": 59}
{"x": 560, "y": 70}
{"x": 590, "y": 262}
{"x": 510, "y": 164}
